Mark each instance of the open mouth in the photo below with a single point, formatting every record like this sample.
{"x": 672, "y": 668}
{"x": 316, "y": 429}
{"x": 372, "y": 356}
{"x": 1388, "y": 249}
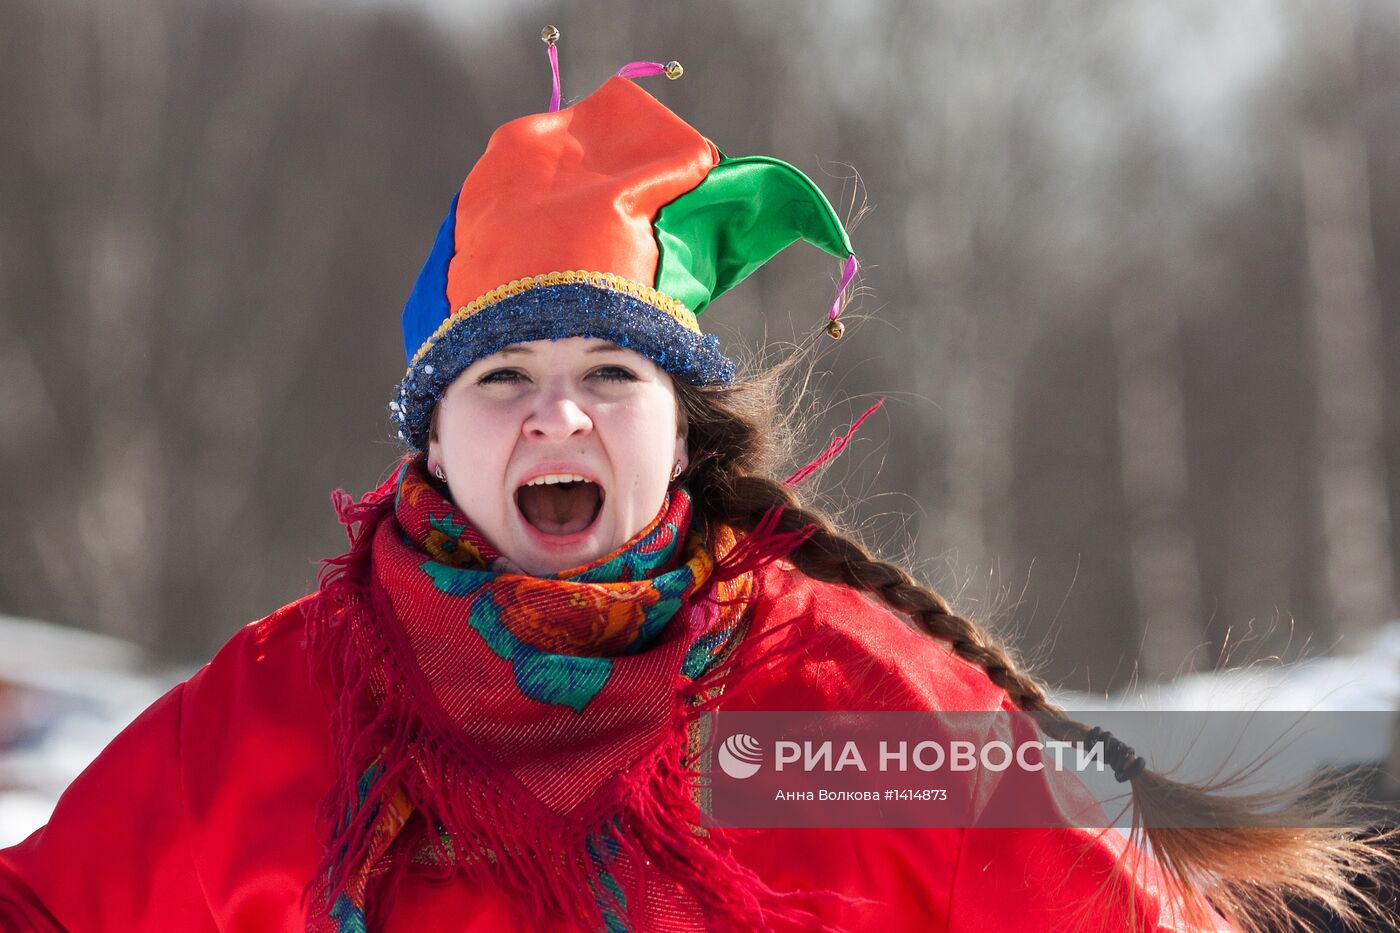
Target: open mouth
{"x": 557, "y": 506}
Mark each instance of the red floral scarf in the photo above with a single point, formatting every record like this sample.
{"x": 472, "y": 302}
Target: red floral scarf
{"x": 529, "y": 732}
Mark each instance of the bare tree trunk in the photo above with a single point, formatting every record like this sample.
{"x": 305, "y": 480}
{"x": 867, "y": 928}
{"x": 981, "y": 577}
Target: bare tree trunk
{"x": 117, "y": 274}
{"x": 1152, "y": 431}
{"x": 1344, "y": 315}
{"x": 982, "y": 333}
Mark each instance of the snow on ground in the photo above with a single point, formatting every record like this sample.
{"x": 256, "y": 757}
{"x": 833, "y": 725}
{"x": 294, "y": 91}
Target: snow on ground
{"x": 63, "y": 695}
{"x": 1329, "y": 712}
{"x": 1368, "y": 680}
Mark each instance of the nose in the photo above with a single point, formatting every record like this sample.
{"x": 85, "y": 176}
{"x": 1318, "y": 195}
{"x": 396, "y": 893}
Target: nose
{"x": 557, "y": 416}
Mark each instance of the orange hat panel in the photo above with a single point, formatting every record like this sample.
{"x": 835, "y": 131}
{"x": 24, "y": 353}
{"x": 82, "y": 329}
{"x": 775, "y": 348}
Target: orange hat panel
{"x": 577, "y": 189}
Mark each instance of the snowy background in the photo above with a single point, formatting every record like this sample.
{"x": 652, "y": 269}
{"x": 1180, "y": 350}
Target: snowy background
{"x": 63, "y": 695}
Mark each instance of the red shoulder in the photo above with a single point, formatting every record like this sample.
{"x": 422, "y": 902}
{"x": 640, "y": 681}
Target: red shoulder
{"x": 256, "y": 701}
{"x": 210, "y": 772}
{"x": 818, "y": 645}
{"x": 269, "y": 654}
{"x": 257, "y": 756}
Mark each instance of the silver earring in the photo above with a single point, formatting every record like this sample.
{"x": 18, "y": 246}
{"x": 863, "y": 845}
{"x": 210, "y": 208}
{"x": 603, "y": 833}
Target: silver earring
{"x": 442, "y": 477}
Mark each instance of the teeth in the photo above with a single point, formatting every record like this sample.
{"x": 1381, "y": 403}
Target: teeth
{"x": 550, "y": 479}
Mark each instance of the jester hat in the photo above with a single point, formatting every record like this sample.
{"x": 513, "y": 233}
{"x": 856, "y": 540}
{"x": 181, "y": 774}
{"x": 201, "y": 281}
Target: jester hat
{"x": 611, "y": 218}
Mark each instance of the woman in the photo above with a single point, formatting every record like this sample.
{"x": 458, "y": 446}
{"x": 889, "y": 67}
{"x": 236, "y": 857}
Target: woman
{"x": 486, "y": 717}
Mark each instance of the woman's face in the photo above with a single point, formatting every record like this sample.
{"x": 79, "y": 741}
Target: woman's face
{"x": 559, "y": 410}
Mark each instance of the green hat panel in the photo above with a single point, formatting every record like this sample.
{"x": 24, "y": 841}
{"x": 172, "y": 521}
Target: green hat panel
{"x": 744, "y": 212}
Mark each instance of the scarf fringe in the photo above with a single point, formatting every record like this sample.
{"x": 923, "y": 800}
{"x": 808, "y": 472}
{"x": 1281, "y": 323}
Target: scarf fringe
{"x": 833, "y": 449}
{"x": 640, "y": 830}
{"x": 761, "y": 547}
{"x": 706, "y": 692}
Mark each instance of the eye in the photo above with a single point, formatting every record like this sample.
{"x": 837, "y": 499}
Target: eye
{"x": 500, "y": 376}
{"x": 614, "y": 374}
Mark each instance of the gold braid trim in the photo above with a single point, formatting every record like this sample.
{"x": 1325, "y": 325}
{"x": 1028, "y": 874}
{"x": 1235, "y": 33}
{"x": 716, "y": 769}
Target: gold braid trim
{"x": 605, "y": 280}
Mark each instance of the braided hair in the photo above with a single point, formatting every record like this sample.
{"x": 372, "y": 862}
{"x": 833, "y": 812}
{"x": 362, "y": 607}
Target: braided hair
{"x": 1254, "y": 863}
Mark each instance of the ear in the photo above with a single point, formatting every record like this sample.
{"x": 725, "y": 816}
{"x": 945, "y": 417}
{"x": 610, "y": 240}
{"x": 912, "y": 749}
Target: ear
{"x": 434, "y": 448}
{"x": 682, "y": 431}
{"x": 682, "y": 452}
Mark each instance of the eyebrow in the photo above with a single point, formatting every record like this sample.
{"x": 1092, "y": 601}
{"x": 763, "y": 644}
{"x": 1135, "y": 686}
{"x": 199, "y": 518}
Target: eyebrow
{"x": 517, "y": 350}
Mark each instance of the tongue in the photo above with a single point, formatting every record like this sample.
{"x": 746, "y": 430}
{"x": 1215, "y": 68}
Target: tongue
{"x": 560, "y": 508}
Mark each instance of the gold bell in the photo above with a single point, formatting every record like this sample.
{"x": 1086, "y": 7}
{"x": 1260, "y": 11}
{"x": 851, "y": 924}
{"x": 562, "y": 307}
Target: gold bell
{"x": 673, "y": 70}
{"x": 836, "y": 329}
{"x": 549, "y": 35}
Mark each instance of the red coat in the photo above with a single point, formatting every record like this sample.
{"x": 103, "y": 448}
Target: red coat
{"x": 199, "y": 816}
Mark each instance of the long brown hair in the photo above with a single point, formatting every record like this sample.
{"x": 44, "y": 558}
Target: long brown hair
{"x": 1254, "y": 870}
